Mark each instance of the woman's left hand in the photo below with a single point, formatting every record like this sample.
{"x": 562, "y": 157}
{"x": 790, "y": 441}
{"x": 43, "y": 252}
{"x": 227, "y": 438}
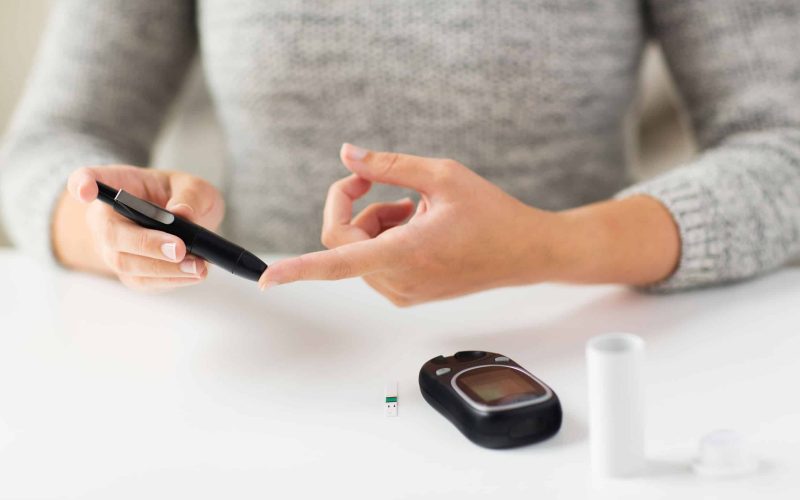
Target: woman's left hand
{"x": 466, "y": 234}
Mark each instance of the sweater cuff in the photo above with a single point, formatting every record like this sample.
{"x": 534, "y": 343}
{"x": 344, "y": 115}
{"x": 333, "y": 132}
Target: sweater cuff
{"x": 701, "y": 248}
{"x": 32, "y": 185}
{"x": 28, "y": 212}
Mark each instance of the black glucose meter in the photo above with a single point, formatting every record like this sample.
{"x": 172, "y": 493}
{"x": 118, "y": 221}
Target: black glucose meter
{"x": 491, "y": 399}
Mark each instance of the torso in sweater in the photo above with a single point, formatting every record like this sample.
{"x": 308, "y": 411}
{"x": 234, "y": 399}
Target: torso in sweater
{"x": 530, "y": 94}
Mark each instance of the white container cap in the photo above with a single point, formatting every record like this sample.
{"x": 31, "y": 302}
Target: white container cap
{"x": 723, "y": 453}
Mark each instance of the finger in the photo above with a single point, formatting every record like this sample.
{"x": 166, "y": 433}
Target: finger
{"x": 422, "y": 206}
{"x": 341, "y": 195}
{"x": 416, "y": 172}
{"x": 336, "y": 229}
{"x": 158, "y": 284}
{"x": 348, "y": 261}
{"x": 196, "y": 200}
{"x": 120, "y": 235}
{"x": 379, "y": 217}
{"x": 82, "y": 183}
{"x": 136, "y": 265}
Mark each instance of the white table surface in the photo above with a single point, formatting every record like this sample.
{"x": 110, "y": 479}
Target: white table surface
{"x": 219, "y": 391}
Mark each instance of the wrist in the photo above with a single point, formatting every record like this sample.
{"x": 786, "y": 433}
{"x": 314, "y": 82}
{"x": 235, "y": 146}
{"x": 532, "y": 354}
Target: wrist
{"x": 632, "y": 241}
{"x": 543, "y": 246}
{"x": 72, "y": 243}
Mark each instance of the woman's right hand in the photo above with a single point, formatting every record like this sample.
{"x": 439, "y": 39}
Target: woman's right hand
{"x": 91, "y": 236}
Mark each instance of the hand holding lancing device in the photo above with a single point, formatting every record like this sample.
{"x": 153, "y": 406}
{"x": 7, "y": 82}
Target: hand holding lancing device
{"x": 466, "y": 234}
{"x": 141, "y": 258}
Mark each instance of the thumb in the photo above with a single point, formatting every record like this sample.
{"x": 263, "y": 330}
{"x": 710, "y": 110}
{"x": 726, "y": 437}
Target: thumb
{"x": 415, "y": 172}
{"x": 196, "y": 200}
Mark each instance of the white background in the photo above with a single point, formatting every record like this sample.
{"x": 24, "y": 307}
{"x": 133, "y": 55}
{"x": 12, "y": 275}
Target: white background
{"x": 222, "y": 392}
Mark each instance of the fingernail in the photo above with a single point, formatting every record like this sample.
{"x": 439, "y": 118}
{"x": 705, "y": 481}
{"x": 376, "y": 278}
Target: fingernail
{"x": 188, "y": 266}
{"x": 354, "y": 152}
{"x": 269, "y": 284}
{"x": 169, "y": 251}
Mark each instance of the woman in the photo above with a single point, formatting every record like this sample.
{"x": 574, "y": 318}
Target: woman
{"x": 527, "y": 96}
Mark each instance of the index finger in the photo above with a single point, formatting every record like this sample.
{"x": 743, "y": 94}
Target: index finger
{"x": 195, "y": 199}
{"x": 347, "y": 261}
{"x": 338, "y": 210}
{"x": 341, "y": 195}
{"x": 82, "y": 183}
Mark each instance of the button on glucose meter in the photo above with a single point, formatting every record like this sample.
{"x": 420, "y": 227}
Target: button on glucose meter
{"x": 491, "y": 399}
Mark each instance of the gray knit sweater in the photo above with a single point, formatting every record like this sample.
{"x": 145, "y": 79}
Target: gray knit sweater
{"x": 530, "y": 94}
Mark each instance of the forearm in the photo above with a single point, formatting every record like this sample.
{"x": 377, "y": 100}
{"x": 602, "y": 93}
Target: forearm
{"x": 735, "y": 203}
{"x": 631, "y": 241}
{"x": 85, "y": 105}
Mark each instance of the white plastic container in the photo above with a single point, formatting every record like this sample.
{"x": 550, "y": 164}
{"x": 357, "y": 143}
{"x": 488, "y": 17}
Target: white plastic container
{"x": 615, "y": 363}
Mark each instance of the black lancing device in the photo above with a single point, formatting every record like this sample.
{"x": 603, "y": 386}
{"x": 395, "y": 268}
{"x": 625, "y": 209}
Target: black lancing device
{"x": 199, "y": 240}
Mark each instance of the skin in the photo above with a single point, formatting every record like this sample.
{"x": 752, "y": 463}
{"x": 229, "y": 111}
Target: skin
{"x": 464, "y": 235}
{"x": 467, "y": 235}
{"x": 92, "y": 237}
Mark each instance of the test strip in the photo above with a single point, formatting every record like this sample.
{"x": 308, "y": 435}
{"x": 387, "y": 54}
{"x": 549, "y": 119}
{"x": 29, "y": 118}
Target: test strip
{"x": 390, "y": 399}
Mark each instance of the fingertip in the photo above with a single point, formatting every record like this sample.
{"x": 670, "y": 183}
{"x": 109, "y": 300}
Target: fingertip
{"x": 180, "y": 249}
{"x": 267, "y": 284}
{"x": 363, "y": 182}
{"x": 265, "y": 277}
{"x": 82, "y": 185}
{"x": 353, "y": 156}
{"x": 275, "y": 274}
{"x": 353, "y": 186}
{"x": 173, "y": 250}
{"x": 422, "y": 206}
{"x": 202, "y": 269}
{"x": 343, "y": 151}
{"x": 88, "y": 191}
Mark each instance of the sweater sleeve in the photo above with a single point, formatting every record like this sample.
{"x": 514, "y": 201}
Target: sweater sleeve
{"x": 103, "y": 78}
{"x": 737, "y": 205}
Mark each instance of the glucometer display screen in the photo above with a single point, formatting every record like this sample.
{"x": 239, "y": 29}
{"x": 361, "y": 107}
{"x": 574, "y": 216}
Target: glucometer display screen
{"x": 498, "y": 385}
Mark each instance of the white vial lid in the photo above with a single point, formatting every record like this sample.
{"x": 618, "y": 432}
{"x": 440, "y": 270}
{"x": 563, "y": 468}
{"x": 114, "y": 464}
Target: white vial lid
{"x": 723, "y": 453}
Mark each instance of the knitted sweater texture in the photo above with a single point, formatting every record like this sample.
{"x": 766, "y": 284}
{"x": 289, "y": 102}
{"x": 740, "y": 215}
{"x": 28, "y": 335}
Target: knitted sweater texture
{"x": 530, "y": 94}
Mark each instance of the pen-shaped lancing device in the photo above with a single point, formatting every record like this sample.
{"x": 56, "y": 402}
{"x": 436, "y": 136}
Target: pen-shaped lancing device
{"x": 199, "y": 241}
